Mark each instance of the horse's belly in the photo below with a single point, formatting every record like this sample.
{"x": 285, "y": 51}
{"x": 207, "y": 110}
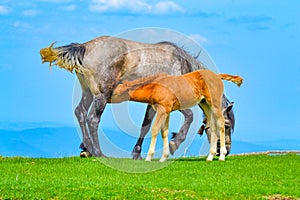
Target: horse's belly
{"x": 186, "y": 102}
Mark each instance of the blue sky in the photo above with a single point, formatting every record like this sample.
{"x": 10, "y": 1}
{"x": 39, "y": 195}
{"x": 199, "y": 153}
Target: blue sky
{"x": 258, "y": 40}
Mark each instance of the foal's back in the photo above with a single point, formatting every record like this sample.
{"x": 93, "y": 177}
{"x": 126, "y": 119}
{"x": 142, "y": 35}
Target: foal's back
{"x": 182, "y": 92}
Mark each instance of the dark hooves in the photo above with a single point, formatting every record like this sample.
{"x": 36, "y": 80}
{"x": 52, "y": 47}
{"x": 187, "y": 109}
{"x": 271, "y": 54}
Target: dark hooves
{"x": 136, "y": 156}
{"x": 172, "y": 147}
{"x": 201, "y": 130}
{"x": 85, "y": 154}
{"x": 136, "y": 153}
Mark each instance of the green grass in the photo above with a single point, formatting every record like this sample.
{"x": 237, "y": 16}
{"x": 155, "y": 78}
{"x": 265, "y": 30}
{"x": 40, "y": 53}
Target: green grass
{"x": 246, "y": 177}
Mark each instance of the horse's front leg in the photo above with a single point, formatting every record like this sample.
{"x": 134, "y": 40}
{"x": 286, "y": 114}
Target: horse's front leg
{"x": 161, "y": 117}
{"x": 149, "y": 115}
{"x": 93, "y": 121}
{"x": 211, "y": 120}
{"x": 164, "y": 133}
{"x": 221, "y": 131}
{"x": 178, "y": 138}
{"x": 81, "y": 113}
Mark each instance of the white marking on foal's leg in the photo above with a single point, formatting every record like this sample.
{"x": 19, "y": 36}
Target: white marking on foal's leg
{"x": 213, "y": 141}
{"x": 148, "y": 158}
{"x": 159, "y": 121}
{"x": 164, "y": 133}
{"x": 221, "y": 130}
{"x": 210, "y": 157}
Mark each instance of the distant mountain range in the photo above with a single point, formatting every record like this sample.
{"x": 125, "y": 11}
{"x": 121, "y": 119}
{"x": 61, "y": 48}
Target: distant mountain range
{"x": 40, "y": 142}
{"x": 55, "y": 140}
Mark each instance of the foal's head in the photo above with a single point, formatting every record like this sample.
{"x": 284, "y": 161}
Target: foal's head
{"x": 120, "y": 94}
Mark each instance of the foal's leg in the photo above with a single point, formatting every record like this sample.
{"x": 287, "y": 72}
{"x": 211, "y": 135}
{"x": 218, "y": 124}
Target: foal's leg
{"x": 149, "y": 115}
{"x": 181, "y": 135}
{"x": 217, "y": 127}
{"x": 220, "y": 125}
{"x": 161, "y": 117}
{"x": 214, "y": 138}
{"x": 213, "y": 143}
{"x": 93, "y": 120}
{"x": 164, "y": 133}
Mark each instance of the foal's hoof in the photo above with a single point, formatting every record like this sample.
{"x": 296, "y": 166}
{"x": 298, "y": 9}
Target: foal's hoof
{"x": 222, "y": 157}
{"x": 172, "y": 147}
{"x": 85, "y": 154}
{"x": 148, "y": 158}
{"x": 163, "y": 159}
{"x": 210, "y": 158}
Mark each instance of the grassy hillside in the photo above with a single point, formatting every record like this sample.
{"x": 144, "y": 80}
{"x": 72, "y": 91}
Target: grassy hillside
{"x": 247, "y": 177}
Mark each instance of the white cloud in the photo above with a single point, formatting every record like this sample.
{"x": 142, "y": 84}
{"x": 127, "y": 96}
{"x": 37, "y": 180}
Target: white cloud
{"x": 56, "y": 1}
{"x": 113, "y": 5}
{"x": 167, "y": 7}
{"x": 4, "y": 10}
{"x": 30, "y": 13}
{"x": 199, "y": 38}
{"x": 71, "y": 7}
{"x": 21, "y": 25}
{"x": 135, "y": 6}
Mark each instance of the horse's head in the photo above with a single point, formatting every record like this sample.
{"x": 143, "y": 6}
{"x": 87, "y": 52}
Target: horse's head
{"x": 229, "y": 126}
{"x": 49, "y": 54}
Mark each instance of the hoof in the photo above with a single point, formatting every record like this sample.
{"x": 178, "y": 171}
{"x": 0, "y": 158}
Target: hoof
{"x": 148, "y": 158}
{"x": 85, "y": 154}
{"x": 222, "y": 158}
{"x": 136, "y": 156}
{"x": 162, "y": 159}
{"x": 136, "y": 153}
{"x": 209, "y": 158}
{"x": 172, "y": 147}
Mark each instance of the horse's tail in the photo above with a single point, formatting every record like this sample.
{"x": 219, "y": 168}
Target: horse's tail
{"x": 235, "y": 79}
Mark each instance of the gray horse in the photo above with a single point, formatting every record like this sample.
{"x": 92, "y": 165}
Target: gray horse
{"x": 104, "y": 62}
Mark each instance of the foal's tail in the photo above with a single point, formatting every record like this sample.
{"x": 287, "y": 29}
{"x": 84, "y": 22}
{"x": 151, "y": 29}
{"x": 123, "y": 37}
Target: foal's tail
{"x": 235, "y": 79}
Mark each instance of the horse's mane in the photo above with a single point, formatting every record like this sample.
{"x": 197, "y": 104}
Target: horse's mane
{"x": 70, "y": 56}
{"x": 189, "y": 63}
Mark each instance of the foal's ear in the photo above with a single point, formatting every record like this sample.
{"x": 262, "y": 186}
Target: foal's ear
{"x": 228, "y": 108}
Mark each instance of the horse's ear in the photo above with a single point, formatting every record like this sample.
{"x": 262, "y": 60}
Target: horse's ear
{"x": 228, "y": 108}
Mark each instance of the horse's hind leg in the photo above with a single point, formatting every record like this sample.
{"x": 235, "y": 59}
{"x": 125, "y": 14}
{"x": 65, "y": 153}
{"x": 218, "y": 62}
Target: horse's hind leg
{"x": 149, "y": 115}
{"x": 210, "y": 118}
{"x": 93, "y": 120}
{"x": 217, "y": 124}
{"x": 213, "y": 140}
{"x": 220, "y": 125}
{"x": 164, "y": 133}
{"x": 81, "y": 113}
{"x": 178, "y": 138}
